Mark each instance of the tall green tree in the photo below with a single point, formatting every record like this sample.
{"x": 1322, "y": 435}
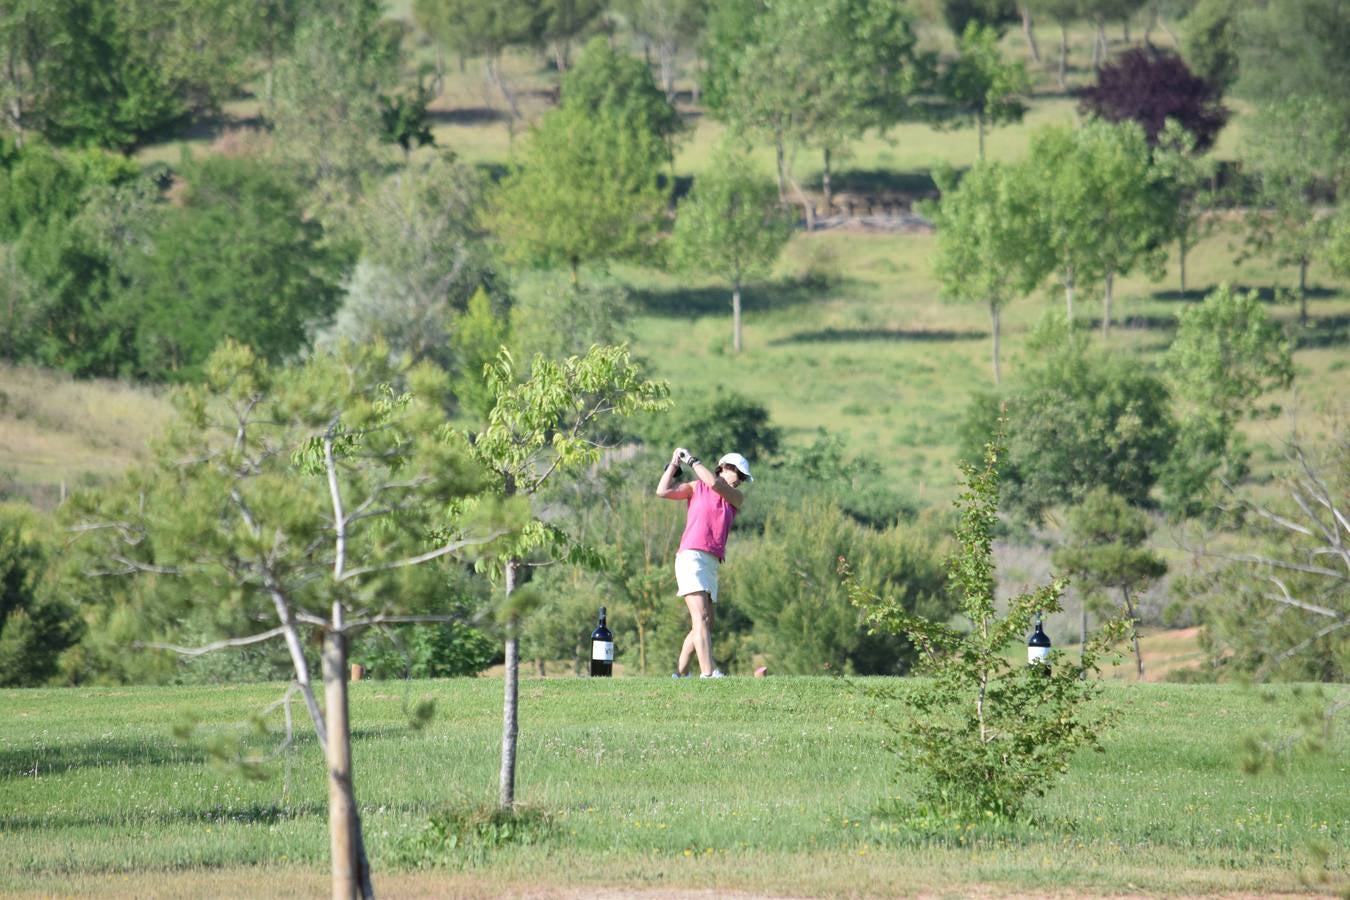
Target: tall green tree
{"x": 326, "y": 118}
{"x": 811, "y": 74}
{"x": 237, "y": 259}
{"x": 545, "y": 426}
{"x": 989, "y": 733}
{"x": 978, "y": 86}
{"x": 587, "y": 190}
{"x": 730, "y": 225}
{"x": 296, "y": 496}
{"x": 567, "y": 21}
{"x": 423, "y": 256}
{"x": 36, "y": 625}
{"x": 606, "y": 82}
{"x": 116, "y": 74}
{"x": 1106, "y": 210}
{"x": 1105, "y": 549}
{"x": 1077, "y": 419}
{"x": 1293, "y": 68}
{"x": 1300, "y": 149}
{"x": 1188, "y": 175}
{"x": 991, "y": 249}
{"x": 668, "y": 27}
{"x": 61, "y": 213}
{"x": 1226, "y": 354}
{"x": 486, "y": 28}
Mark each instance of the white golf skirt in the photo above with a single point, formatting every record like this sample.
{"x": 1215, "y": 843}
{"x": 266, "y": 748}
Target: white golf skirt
{"x": 696, "y": 571}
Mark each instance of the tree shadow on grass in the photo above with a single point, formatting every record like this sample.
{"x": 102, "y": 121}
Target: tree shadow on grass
{"x": 899, "y": 335}
{"x": 1322, "y": 332}
{"x": 469, "y": 115}
{"x": 687, "y": 302}
{"x": 878, "y": 181}
{"x": 1264, "y": 293}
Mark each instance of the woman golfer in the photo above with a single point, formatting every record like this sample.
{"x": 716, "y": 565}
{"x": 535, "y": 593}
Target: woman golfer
{"x": 713, "y": 501}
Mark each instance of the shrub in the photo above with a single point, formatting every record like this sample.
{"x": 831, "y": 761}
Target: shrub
{"x": 987, "y": 733}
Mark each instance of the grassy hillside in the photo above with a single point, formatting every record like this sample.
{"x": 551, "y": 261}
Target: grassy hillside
{"x": 769, "y": 785}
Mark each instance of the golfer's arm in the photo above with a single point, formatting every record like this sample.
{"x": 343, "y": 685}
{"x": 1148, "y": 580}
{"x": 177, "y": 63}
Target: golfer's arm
{"x": 727, "y": 492}
{"x": 666, "y": 491}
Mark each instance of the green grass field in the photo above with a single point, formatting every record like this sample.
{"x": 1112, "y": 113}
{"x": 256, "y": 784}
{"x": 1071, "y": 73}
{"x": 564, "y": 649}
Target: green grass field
{"x": 761, "y": 785}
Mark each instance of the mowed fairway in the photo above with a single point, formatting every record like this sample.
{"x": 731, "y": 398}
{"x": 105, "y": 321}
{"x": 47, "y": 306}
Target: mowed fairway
{"x": 765, "y": 786}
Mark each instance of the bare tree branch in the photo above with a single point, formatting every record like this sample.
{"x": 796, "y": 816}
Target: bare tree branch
{"x": 214, "y": 645}
{"x": 443, "y": 550}
{"x": 1288, "y": 599}
{"x": 372, "y": 621}
{"x": 1299, "y": 648}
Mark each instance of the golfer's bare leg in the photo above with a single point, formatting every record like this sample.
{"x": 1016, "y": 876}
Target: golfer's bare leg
{"x": 701, "y": 619}
{"x": 686, "y": 651}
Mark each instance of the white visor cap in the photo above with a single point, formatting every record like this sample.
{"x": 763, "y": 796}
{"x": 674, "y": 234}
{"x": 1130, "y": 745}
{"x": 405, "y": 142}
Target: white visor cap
{"x": 740, "y": 462}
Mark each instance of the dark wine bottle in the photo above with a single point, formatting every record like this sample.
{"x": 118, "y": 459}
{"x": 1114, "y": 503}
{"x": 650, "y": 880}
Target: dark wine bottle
{"x": 602, "y": 650}
{"x": 1038, "y": 647}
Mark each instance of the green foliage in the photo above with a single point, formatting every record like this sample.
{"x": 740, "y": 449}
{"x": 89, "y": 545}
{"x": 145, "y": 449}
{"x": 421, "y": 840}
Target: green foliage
{"x": 238, "y": 258}
{"x": 979, "y": 87}
{"x": 607, "y": 82}
{"x": 994, "y": 15}
{"x": 990, "y": 246}
{"x": 586, "y": 191}
{"x": 1209, "y": 41}
{"x": 326, "y": 117}
{"x": 443, "y": 650}
{"x": 557, "y": 318}
{"x": 485, "y": 27}
{"x": 823, "y": 470}
{"x": 1105, "y": 209}
{"x": 117, "y": 74}
{"x": 478, "y": 336}
{"x": 1227, "y": 353}
{"x": 730, "y": 225}
{"x": 59, "y": 216}
{"x": 470, "y": 837}
{"x": 1077, "y": 419}
{"x": 803, "y": 622}
{"x": 719, "y": 422}
{"x": 991, "y": 733}
{"x": 236, "y": 523}
{"x": 422, "y": 258}
{"x": 1295, "y": 51}
{"x": 36, "y": 624}
{"x": 403, "y": 119}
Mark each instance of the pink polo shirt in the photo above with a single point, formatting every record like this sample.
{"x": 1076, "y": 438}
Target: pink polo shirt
{"x": 707, "y": 522}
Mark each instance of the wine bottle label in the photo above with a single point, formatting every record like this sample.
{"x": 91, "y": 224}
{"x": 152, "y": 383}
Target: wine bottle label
{"x": 602, "y": 650}
{"x": 1037, "y": 654}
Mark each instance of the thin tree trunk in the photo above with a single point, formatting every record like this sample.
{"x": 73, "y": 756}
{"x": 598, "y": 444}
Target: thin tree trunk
{"x": 779, "y": 158}
{"x": 539, "y": 667}
{"x": 642, "y": 646}
{"x": 825, "y": 181}
{"x": 1029, "y": 31}
{"x": 1098, "y": 42}
{"x": 1068, "y": 293}
{"x": 1063, "y": 55}
{"x": 979, "y": 129}
{"x": 351, "y": 872}
{"x": 510, "y": 721}
{"x": 666, "y": 56}
{"x": 1134, "y": 634}
{"x": 1106, "y": 305}
{"x": 492, "y": 70}
{"x": 736, "y": 313}
{"x": 994, "y": 320}
{"x": 1303, "y": 291}
{"x": 1181, "y": 259}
